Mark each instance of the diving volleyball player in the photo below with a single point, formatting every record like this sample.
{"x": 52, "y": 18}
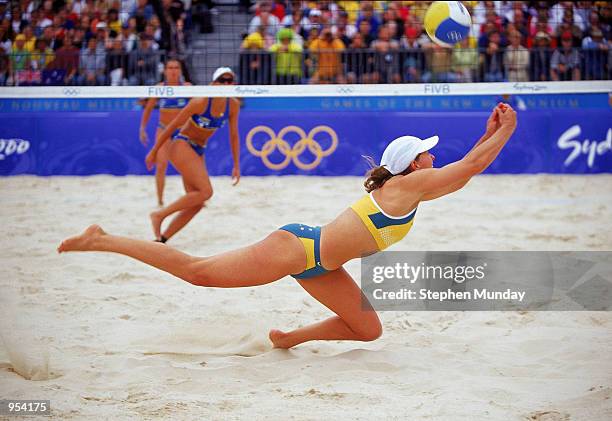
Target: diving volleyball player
{"x": 315, "y": 255}
{"x": 190, "y": 131}
{"x": 168, "y": 110}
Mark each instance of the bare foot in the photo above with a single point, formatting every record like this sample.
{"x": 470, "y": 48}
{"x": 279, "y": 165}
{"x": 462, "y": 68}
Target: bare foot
{"x": 81, "y": 242}
{"x": 279, "y": 339}
{"x": 156, "y": 221}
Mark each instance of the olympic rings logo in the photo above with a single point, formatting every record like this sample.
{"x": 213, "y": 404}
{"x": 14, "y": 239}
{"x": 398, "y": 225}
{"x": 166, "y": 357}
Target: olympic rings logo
{"x": 71, "y": 91}
{"x": 345, "y": 89}
{"x": 292, "y": 153}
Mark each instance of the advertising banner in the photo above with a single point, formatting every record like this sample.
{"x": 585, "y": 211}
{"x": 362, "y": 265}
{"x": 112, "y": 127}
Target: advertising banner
{"x": 64, "y": 140}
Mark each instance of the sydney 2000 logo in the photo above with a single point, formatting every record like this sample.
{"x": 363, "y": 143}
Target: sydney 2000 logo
{"x": 591, "y": 148}
{"x": 11, "y": 146}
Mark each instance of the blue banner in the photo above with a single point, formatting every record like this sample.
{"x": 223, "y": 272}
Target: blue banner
{"x": 430, "y": 103}
{"x": 315, "y": 142}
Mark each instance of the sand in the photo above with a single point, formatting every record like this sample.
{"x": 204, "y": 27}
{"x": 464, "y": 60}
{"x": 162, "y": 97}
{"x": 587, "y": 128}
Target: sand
{"x": 105, "y": 337}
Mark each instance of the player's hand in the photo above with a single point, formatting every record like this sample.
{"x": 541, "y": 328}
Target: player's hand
{"x": 493, "y": 121}
{"x": 235, "y": 175}
{"x": 507, "y": 116}
{"x": 144, "y": 138}
{"x": 150, "y": 159}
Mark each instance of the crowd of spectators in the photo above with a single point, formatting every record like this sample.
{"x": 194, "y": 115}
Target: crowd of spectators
{"x": 124, "y": 42}
{"x": 90, "y": 42}
{"x": 296, "y": 41}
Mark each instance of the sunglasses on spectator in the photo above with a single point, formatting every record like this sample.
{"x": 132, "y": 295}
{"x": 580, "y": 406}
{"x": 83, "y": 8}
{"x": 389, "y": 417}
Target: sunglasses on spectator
{"x": 225, "y": 80}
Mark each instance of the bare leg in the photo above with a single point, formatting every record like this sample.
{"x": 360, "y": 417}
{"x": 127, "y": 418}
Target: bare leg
{"x": 278, "y": 255}
{"x": 337, "y": 291}
{"x": 184, "y": 216}
{"x": 161, "y": 166}
{"x": 181, "y": 219}
{"x": 194, "y": 173}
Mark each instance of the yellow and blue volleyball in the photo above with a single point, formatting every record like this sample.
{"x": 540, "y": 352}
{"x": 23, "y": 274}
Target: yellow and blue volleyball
{"x": 447, "y": 22}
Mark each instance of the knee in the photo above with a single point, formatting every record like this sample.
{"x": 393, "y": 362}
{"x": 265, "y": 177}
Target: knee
{"x": 198, "y": 274}
{"x": 203, "y": 196}
{"x": 197, "y": 208}
{"x": 371, "y": 330}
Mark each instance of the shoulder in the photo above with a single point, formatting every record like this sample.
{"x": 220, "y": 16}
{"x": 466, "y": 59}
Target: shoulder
{"x": 234, "y": 104}
{"x": 418, "y": 182}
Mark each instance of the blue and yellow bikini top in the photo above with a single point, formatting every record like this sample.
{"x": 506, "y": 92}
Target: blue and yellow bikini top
{"x": 206, "y": 119}
{"x": 385, "y": 229}
{"x": 172, "y": 103}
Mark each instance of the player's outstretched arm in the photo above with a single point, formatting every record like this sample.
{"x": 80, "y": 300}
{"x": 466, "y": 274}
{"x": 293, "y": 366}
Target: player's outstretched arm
{"x": 437, "y": 182}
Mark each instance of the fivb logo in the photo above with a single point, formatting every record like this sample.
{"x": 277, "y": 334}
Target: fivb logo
{"x": 160, "y": 91}
{"x": 436, "y": 88}
{"x": 591, "y": 148}
{"x": 454, "y": 36}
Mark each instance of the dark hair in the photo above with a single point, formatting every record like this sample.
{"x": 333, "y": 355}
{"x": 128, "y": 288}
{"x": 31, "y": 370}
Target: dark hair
{"x": 378, "y": 175}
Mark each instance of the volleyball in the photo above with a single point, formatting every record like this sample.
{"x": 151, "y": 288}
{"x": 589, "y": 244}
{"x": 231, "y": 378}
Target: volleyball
{"x": 447, "y": 22}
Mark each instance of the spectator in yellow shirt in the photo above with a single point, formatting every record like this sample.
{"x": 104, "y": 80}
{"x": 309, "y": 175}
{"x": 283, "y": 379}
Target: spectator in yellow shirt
{"x": 42, "y": 56}
{"x": 19, "y": 59}
{"x": 326, "y": 51}
{"x": 114, "y": 24}
{"x": 464, "y": 62}
{"x": 30, "y": 39}
{"x": 350, "y": 7}
{"x": 255, "y": 64}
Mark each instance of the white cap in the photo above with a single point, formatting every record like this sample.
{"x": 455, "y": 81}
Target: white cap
{"x": 402, "y": 151}
{"x": 221, "y": 71}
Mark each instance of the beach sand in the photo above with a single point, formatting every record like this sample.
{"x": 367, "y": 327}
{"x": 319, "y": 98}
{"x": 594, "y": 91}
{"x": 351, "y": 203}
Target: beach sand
{"x": 105, "y": 337}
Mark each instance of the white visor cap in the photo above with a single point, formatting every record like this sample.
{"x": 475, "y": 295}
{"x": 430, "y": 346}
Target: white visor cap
{"x": 221, "y": 71}
{"x": 402, "y": 151}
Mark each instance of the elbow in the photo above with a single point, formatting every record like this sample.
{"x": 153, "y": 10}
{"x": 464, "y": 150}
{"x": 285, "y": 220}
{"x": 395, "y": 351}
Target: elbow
{"x": 481, "y": 167}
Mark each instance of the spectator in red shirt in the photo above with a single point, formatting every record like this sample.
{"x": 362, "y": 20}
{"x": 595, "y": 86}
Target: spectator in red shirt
{"x": 278, "y": 9}
{"x": 491, "y": 19}
{"x": 67, "y": 60}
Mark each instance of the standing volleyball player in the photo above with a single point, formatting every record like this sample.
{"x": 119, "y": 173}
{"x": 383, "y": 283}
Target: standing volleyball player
{"x": 190, "y": 130}
{"x": 168, "y": 110}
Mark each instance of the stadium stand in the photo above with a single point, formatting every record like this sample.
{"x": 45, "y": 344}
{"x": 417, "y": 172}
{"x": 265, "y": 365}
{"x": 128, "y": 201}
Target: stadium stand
{"x": 124, "y": 42}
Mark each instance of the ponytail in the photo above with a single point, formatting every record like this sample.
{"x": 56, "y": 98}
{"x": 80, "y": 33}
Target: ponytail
{"x": 378, "y": 175}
